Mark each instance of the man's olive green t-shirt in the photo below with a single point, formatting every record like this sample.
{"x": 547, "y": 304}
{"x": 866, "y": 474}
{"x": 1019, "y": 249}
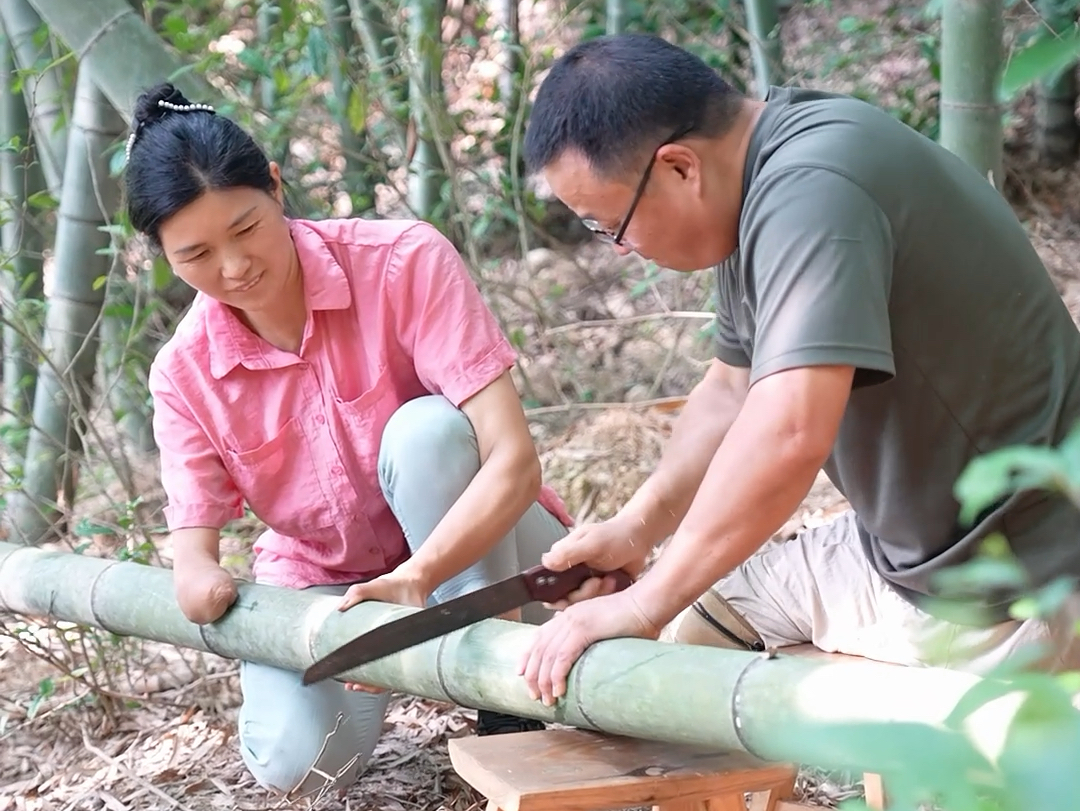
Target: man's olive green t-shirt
{"x": 864, "y": 243}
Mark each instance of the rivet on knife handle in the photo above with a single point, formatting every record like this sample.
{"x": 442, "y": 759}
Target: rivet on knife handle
{"x": 548, "y": 586}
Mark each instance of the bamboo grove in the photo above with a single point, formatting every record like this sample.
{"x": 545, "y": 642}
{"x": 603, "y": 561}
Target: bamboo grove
{"x": 71, "y": 71}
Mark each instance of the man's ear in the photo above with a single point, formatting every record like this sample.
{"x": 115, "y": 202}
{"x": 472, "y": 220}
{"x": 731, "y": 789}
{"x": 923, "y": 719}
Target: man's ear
{"x": 682, "y": 159}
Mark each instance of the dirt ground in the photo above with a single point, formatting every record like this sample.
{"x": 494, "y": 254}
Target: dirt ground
{"x": 164, "y": 735}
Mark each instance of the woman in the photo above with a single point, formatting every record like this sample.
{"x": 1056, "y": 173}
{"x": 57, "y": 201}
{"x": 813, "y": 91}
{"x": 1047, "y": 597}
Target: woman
{"x": 344, "y": 379}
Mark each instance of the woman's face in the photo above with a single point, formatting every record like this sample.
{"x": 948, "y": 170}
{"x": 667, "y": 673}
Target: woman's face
{"x": 233, "y": 245}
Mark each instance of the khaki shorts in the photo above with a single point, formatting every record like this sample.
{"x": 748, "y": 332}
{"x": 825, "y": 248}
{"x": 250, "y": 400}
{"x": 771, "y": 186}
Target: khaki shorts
{"x": 819, "y": 588}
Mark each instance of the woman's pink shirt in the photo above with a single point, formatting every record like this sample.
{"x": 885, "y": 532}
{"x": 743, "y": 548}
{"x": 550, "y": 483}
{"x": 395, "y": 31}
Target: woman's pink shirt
{"x": 393, "y": 315}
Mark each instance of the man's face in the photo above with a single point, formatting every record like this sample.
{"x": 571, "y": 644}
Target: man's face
{"x": 671, "y": 223}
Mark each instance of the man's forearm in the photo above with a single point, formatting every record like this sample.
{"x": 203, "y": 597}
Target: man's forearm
{"x": 663, "y": 500}
{"x": 761, "y": 473}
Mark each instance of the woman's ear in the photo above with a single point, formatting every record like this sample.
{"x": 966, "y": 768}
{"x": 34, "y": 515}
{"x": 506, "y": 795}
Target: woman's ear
{"x": 279, "y": 191}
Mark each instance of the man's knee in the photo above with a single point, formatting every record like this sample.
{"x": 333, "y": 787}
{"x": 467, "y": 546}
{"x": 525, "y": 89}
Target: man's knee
{"x": 424, "y": 433}
{"x": 292, "y": 741}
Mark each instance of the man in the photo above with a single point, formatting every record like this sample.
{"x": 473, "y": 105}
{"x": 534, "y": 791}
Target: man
{"x": 880, "y": 314}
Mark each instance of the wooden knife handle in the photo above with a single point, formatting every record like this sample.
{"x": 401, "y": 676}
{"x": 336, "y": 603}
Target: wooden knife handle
{"x": 547, "y": 586}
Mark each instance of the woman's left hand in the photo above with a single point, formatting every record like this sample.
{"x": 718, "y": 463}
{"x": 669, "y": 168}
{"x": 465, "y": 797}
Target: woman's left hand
{"x": 395, "y": 587}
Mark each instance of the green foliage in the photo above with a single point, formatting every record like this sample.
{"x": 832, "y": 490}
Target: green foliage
{"x": 710, "y": 29}
{"x": 1042, "y": 60}
{"x": 994, "y": 475}
{"x": 952, "y": 767}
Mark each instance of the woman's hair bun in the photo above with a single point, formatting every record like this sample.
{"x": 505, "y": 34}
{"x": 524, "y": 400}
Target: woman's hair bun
{"x": 147, "y": 108}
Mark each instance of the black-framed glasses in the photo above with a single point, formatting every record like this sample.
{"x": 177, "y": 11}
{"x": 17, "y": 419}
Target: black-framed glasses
{"x": 617, "y": 237}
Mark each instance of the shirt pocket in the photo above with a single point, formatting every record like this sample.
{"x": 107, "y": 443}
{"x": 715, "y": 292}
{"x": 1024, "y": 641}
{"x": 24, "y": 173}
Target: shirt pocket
{"x": 279, "y": 481}
{"x": 363, "y": 419}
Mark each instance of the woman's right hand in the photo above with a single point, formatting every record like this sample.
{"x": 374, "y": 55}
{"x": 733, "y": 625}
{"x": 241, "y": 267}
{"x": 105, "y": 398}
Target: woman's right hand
{"x": 204, "y": 590}
{"x": 618, "y": 543}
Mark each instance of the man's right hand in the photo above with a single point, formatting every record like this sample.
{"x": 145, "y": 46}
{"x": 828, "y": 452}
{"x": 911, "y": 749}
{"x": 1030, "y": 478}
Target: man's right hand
{"x": 204, "y": 590}
{"x": 618, "y": 543}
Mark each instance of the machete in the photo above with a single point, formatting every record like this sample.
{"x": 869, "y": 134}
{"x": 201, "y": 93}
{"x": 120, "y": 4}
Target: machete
{"x": 536, "y": 584}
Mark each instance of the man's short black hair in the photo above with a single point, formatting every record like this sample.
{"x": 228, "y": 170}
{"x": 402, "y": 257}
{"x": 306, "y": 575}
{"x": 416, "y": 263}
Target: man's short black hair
{"x": 616, "y": 98}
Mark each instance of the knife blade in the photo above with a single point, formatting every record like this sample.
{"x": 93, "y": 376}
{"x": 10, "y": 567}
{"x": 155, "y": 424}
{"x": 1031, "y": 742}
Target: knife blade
{"x": 538, "y": 584}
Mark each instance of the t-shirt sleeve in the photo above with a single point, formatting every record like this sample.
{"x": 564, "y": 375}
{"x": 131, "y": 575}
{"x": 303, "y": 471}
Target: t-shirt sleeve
{"x": 199, "y": 490}
{"x": 819, "y": 254}
{"x": 729, "y": 348}
{"x": 440, "y": 318}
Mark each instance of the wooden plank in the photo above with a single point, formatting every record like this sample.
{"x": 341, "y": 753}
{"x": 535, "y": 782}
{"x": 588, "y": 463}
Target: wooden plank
{"x": 578, "y": 770}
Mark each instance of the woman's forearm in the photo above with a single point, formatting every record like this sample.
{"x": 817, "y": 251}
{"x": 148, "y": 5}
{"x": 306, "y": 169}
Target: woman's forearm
{"x": 506, "y": 485}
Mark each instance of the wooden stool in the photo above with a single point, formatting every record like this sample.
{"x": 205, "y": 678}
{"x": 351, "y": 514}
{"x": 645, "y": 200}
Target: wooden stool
{"x": 577, "y": 770}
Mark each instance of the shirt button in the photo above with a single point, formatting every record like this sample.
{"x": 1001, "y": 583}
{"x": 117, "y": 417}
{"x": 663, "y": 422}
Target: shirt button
{"x": 319, "y": 418}
{"x": 336, "y": 470}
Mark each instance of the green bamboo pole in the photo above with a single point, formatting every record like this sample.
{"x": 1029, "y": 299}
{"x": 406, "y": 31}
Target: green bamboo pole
{"x": 380, "y": 49}
{"x": 1057, "y": 133}
{"x": 507, "y": 30}
{"x": 44, "y": 90}
{"x": 65, "y": 378}
{"x": 971, "y": 64}
{"x": 109, "y": 38}
{"x": 763, "y": 25}
{"x": 426, "y": 173}
{"x": 775, "y": 707}
{"x": 21, "y": 276}
{"x": 125, "y": 355}
{"x": 615, "y": 15}
{"x": 358, "y": 177}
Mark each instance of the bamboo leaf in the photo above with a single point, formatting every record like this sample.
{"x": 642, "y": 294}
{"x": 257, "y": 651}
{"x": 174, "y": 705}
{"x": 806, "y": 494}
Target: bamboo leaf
{"x": 1045, "y": 601}
{"x": 42, "y": 200}
{"x": 1041, "y": 60}
{"x": 992, "y": 476}
{"x": 358, "y": 108}
{"x": 255, "y": 61}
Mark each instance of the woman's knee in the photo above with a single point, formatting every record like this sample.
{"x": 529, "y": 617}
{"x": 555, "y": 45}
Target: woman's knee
{"x": 427, "y": 445}
{"x": 292, "y": 736}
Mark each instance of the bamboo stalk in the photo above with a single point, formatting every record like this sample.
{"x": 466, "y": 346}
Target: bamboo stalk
{"x": 21, "y": 277}
{"x": 615, "y": 15}
{"x": 775, "y": 707}
{"x": 381, "y": 51}
{"x": 506, "y": 29}
{"x": 124, "y": 356}
{"x": 766, "y": 48}
{"x": 109, "y": 37}
{"x": 971, "y": 64}
{"x": 46, "y": 98}
{"x": 65, "y": 377}
{"x": 426, "y": 175}
{"x": 357, "y": 178}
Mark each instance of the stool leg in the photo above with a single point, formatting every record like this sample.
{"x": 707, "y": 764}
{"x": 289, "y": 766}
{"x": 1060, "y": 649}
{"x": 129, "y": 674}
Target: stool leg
{"x": 768, "y": 800}
{"x": 875, "y": 791}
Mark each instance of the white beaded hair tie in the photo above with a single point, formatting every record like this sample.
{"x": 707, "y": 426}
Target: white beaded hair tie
{"x": 165, "y": 105}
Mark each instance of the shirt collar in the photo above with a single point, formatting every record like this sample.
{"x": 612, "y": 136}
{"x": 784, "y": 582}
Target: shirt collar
{"x": 326, "y": 287}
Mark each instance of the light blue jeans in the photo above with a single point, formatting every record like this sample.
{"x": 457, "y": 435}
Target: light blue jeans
{"x": 287, "y": 731}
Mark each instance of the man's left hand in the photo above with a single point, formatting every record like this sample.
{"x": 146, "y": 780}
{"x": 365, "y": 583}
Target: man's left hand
{"x": 561, "y": 640}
